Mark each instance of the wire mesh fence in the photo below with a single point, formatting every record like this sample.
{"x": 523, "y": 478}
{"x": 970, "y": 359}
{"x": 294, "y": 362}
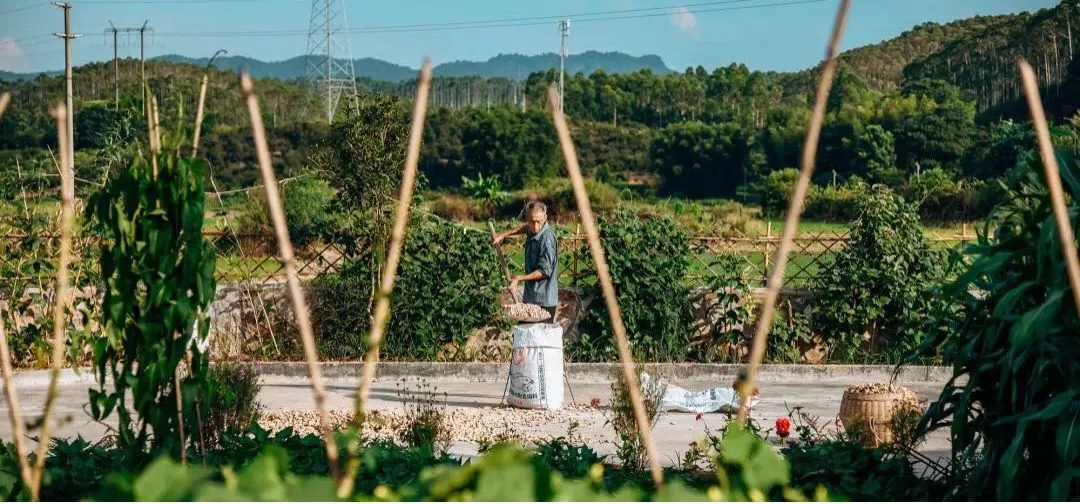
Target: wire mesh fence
{"x": 250, "y": 258}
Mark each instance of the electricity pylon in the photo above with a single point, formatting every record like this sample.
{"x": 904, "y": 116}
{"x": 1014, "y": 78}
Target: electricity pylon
{"x": 329, "y": 57}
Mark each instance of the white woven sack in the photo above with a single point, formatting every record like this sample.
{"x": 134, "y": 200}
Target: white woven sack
{"x": 536, "y": 367}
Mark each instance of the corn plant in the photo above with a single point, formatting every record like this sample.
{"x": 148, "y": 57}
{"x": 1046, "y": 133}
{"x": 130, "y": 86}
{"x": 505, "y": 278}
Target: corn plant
{"x": 158, "y": 280}
{"x": 1016, "y": 420}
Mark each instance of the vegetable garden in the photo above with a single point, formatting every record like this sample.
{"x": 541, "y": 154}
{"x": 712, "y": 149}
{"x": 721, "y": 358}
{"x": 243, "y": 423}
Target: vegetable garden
{"x": 135, "y": 281}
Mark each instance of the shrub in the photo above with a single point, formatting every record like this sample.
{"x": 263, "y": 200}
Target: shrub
{"x": 1013, "y": 399}
{"x": 629, "y": 447}
{"x": 602, "y": 197}
{"x": 341, "y": 307}
{"x": 833, "y": 203}
{"x": 447, "y": 285}
{"x": 790, "y": 334}
{"x": 727, "y": 314}
{"x": 458, "y": 208}
{"x": 774, "y": 193}
{"x": 875, "y": 288}
{"x": 233, "y": 404}
{"x": 425, "y": 422}
{"x": 648, "y": 261}
{"x": 308, "y": 211}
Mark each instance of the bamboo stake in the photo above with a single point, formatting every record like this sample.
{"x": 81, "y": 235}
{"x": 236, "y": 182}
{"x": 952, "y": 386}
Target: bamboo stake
{"x": 1053, "y": 179}
{"x": 60, "y": 301}
{"x": 14, "y": 412}
{"x": 180, "y": 416}
{"x": 602, "y": 273}
{"x": 277, "y": 215}
{"x": 502, "y": 263}
{"x": 795, "y": 208}
{"x": 199, "y": 115}
{"x": 155, "y": 135}
{"x": 397, "y": 237}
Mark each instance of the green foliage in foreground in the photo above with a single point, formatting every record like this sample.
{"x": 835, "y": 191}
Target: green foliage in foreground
{"x": 1015, "y": 416}
{"x": 285, "y": 466}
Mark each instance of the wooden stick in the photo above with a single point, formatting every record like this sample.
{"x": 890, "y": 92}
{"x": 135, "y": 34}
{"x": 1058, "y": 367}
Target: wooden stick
{"x": 155, "y": 135}
{"x": 795, "y": 208}
{"x": 14, "y": 412}
{"x": 60, "y": 301}
{"x": 502, "y": 263}
{"x": 602, "y": 273}
{"x": 1053, "y": 179}
{"x": 180, "y": 416}
{"x": 277, "y": 215}
{"x": 397, "y": 237}
{"x": 199, "y": 115}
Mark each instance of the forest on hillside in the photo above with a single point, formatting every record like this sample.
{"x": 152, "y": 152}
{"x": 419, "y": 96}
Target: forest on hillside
{"x": 909, "y": 112}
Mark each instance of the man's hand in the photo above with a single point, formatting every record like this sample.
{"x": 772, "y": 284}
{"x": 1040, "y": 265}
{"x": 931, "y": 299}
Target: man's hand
{"x": 498, "y": 239}
{"x": 513, "y": 285}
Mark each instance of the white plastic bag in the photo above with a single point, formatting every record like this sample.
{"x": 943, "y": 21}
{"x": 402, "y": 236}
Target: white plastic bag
{"x": 536, "y": 367}
{"x": 716, "y": 399}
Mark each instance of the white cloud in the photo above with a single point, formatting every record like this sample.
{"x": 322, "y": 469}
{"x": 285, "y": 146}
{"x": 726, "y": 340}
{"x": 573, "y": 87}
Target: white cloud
{"x": 12, "y": 57}
{"x": 684, "y": 20}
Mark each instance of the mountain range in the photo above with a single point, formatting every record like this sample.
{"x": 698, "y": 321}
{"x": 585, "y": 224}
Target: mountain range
{"x": 509, "y": 66}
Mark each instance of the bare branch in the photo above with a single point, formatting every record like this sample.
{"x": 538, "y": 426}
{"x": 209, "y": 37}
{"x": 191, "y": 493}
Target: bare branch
{"x": 60, "y": 301}
{"x": 199, "y": 115}
{"x": 14, "y": 412}
{"x": 1053, "y": 179}
{"x": 397, "y": 237}
{"x": 277, "y": 215}
{"x": 795, "y": 208}
{"x": 604, "y": 275}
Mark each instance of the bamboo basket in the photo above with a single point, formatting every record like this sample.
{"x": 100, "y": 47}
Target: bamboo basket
{"x": 876, "y": 409}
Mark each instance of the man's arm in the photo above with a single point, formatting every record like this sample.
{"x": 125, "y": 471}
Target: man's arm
{"x": 503, "y": 236}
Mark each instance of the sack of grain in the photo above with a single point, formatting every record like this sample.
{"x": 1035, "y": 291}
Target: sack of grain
{"x": 536, "y": 367}
{"x": 709, "y": 400}
{"x": 525, "y": 312}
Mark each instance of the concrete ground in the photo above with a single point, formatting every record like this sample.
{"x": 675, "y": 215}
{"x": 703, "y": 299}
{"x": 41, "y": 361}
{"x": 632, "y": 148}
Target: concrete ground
{"x": 673, "y": 433}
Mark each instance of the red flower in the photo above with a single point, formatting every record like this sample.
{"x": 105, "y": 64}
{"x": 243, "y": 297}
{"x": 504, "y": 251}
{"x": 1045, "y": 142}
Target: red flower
{"x": 783, "y": 427}
{"x": 595, "y": 402}
{"x": 698, "y": 417}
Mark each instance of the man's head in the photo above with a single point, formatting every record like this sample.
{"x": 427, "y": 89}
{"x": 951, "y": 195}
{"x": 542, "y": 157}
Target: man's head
{"x": 535, "y": 216}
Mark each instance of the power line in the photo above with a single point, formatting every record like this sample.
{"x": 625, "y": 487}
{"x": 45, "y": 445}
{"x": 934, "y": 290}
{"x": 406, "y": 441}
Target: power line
{"x": 27, "y": 7}
{"x": 493, "y": 23}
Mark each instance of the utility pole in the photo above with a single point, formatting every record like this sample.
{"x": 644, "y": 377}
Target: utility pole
{"x": 68, "y": 37}
{"x": 564, "y": 27}
{"x": 142, "y": 60}
{"x": 116, "y": 66}
{"x": 116, "y": 56}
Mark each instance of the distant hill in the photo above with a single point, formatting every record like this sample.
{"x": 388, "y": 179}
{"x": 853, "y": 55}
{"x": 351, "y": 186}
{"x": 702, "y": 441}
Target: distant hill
{"x": 15, "y": 76}
{"x": 294, "y": 68}
{"x": 517, "y": 66}
{"x": 510, "y": 66}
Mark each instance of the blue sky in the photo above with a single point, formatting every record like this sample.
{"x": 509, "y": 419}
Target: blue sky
{"x": 784, "y": 37}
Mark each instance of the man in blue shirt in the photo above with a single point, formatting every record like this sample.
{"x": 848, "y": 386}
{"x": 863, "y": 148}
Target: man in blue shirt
{"x": 541, "y": 259}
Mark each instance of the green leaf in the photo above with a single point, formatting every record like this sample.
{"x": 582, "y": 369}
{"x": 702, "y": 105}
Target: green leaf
{"x": 167, "y": 480}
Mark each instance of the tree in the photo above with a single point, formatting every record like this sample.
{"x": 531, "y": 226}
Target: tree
{"x": 363, "y": 159}
{"x": 518, "y": 147}
{"x": 848, "y": 89}
{"x": 939, "y": 138}
{"x": 875, "y": 156}
{"x": 698, "y": 160}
